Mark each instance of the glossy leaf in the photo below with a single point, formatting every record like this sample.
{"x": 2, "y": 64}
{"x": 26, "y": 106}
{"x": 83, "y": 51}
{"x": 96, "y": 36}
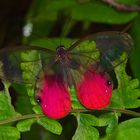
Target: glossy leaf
{"x": 94, "y": 13}
{"x": 129, "y": 129}
{"x": 79, "y": 11}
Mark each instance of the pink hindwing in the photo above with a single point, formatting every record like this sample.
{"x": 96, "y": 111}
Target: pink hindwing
{"x": 95, "y": 90}
{"x": 54, "y": 98}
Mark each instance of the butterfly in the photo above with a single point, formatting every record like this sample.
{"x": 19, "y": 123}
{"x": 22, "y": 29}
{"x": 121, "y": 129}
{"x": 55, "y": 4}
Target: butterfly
{"x": 84, "y": 64}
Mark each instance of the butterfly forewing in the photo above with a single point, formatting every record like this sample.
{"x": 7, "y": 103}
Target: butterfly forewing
{"x": 101, "y": 50}
{"x": 85, "y": 53}
{"x": 82, "y": 57}
{"x": 111, "y": 47}
{"x": 10, "y": 67}
{"x": 22, "y": 65}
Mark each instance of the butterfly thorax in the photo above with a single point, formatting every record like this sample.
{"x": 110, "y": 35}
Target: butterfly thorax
{"x": 62, "y": 55}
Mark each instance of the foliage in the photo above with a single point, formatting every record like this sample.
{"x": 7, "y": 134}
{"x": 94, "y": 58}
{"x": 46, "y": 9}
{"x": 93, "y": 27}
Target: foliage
{"x": 104, "y": 124}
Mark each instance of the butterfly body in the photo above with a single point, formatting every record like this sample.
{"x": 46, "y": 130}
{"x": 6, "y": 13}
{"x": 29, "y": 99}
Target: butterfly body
{"x": 62, "y": 56}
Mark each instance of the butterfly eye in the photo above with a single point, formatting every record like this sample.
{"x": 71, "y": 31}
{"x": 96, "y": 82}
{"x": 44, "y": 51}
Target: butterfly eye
{"x": 39, "y": 100}
{"x": 109, "y": 82}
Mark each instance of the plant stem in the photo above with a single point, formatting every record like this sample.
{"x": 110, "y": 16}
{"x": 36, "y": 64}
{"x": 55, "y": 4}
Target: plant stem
{"x": 29, "y": 116}
{"x": 124, "y": 111}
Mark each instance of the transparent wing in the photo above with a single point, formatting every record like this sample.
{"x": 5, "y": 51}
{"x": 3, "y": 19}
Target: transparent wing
{"x": 22, "y": 64}
{"x": 111, "y": 46}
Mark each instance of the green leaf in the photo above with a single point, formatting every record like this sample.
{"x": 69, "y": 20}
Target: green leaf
{"x": 9, "y": 133}
{"x": 89, "y": 120}
{"x": 37, "y": 109}
{"x": 75, "y": 102}
{"x": 129, "y": 2}
{"x": 110, "y": 120}
{"x": 6, "y": 108}
{"x": 23, "y": 104}
{"x": 51, "y": 43}
{"x": 86, "y": 133}
{"x": 51, "y": 125}
{"x": 106, "y": 119}
{"x": 97, "y": 9}
{"x": 84, "y": 130}
{"x": 25, "y": 125}
{"x": 30, "y": 65}
{"x": 78, "y": 12}
{"x": 129, "y": 129}
{"x": 128, "y": 92}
